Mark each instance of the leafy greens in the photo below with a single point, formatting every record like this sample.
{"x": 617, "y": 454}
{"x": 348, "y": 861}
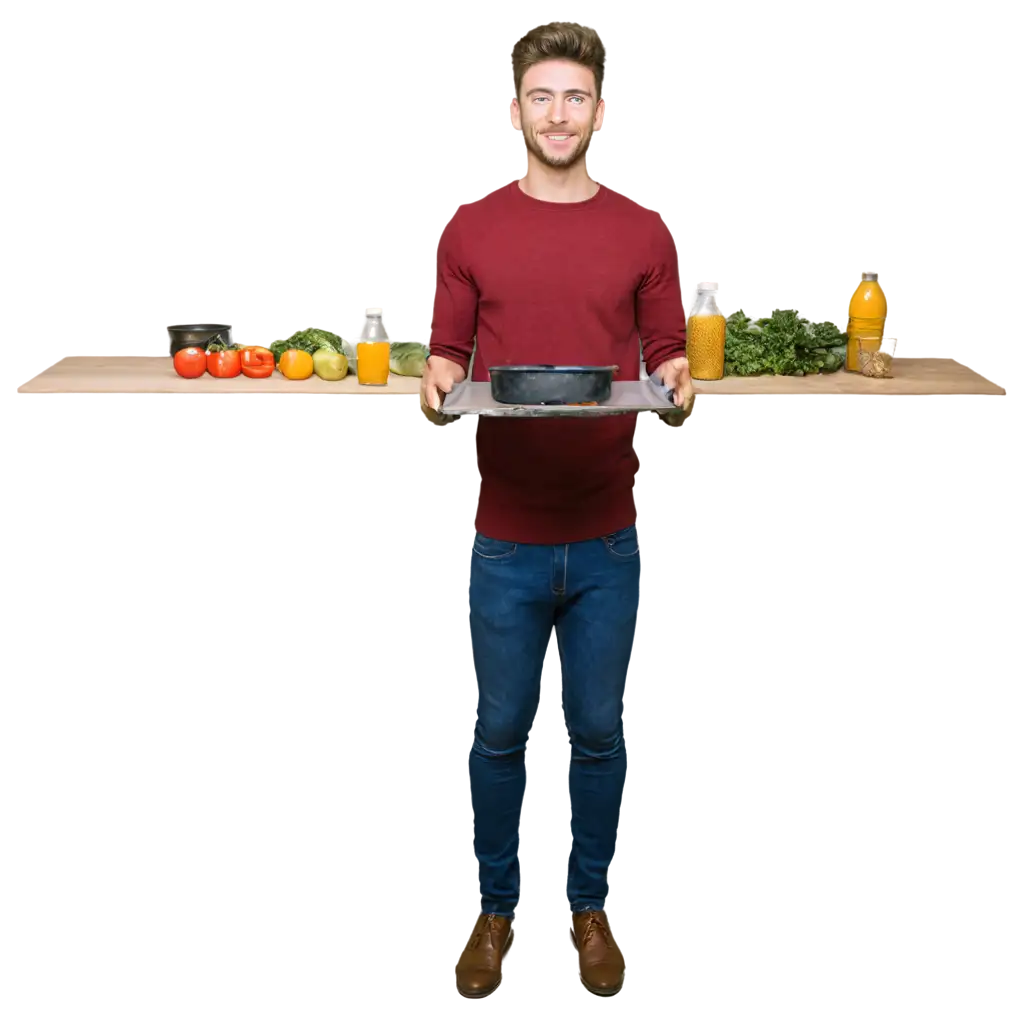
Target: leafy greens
{"x": 783, "y": 343}
{"x": 307, "y": 339}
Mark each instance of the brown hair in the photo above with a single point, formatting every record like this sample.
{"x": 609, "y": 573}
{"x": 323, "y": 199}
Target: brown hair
{"x": 561, "y": 40}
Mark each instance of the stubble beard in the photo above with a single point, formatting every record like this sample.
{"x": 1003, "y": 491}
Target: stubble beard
{"x": 536, "y": 147}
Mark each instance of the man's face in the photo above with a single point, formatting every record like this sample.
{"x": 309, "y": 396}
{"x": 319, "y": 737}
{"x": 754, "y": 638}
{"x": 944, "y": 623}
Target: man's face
{"x": 557, "y": 113}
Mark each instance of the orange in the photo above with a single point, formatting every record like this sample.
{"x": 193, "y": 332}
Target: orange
{"x": 296, "y": 364}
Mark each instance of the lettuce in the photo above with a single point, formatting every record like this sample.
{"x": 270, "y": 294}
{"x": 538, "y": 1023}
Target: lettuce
{"x": 784, "y": 343}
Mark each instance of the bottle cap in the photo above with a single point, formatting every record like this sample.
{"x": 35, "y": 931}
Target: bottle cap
{"x": 869, "y": 277}
{"x": 374, "y": 311}
{"x": 708, "y": 286}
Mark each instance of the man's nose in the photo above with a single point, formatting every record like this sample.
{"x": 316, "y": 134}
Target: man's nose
{"x": 558, "y": 112}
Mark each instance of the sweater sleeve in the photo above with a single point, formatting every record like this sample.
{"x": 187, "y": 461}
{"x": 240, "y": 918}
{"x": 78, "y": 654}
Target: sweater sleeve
{"x": 659, "y": 304}
{"x": 455, "y": 301}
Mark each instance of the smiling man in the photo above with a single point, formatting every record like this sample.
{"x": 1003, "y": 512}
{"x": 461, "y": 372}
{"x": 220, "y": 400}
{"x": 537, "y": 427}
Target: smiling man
{"x": 553, "y": 268}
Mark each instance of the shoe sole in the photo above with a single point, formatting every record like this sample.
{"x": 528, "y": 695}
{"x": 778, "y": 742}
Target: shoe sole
{"x": 600, "y": 992}
{"x": 478, "y": 995}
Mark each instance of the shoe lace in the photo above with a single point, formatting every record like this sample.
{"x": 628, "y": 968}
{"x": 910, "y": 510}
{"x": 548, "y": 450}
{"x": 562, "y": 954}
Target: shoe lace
{"x": 487, "y": 925}
{"x": 595, "y": 923}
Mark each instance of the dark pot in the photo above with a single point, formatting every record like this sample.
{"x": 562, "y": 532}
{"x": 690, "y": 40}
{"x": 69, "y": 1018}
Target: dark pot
{"x": 199, "y": 335}
{"x": 551, "y": 385}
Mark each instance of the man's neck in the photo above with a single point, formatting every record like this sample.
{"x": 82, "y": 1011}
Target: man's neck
{"x": 557, "y": 185}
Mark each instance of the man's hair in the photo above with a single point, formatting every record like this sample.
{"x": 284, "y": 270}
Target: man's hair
{"x": 561, "y": 40}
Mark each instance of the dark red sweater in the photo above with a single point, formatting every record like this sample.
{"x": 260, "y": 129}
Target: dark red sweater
{"x": 568, "y": 284}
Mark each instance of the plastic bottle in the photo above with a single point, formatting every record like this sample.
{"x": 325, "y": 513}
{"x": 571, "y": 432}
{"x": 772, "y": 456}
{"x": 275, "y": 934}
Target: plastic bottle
{"x": 867, "y": 320}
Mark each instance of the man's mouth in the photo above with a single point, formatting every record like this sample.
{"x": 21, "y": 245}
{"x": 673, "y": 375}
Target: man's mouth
{"x": 557, "y": 138}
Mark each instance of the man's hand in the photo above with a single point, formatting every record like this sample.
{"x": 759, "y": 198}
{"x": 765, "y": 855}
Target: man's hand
{"x": 675, "y": 374}
{"x": 440, "y": 376}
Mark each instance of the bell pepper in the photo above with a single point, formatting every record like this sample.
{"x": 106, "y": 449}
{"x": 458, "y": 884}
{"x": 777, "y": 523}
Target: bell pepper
{"x": 257, "y": 361}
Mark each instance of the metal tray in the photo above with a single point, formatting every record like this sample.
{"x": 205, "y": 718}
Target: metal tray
{"x": 474, "y": 398}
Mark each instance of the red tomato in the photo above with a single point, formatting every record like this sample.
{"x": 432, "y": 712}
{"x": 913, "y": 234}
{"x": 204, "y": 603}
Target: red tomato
{"x": 190, "y": 362}
{"x": 224, "y": 364}
{"x": 257, "y": 361}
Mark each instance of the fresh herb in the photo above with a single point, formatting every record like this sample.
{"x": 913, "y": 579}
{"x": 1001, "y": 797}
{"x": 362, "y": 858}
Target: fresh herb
{"x": 784, "y": 343}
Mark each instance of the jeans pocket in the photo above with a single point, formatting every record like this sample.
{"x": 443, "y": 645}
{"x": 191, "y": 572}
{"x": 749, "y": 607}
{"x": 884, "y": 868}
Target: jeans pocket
{"x": 623, "y": 543}
{"x": 493, "y": 550}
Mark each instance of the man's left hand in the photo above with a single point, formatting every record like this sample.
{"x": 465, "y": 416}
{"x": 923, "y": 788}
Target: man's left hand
{"x": 675, "y": 374}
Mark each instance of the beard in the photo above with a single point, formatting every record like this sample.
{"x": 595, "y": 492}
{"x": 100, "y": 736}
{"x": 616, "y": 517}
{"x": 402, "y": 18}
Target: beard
{"x": 562, "y": 161}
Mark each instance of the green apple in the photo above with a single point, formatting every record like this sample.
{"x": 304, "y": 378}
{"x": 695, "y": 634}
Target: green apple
{"x": 329, "y": 365}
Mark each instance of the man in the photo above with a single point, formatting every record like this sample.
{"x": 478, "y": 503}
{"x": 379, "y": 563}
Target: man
{"x": 553, "y": 268}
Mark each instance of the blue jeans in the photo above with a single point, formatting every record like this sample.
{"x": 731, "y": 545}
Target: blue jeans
{"x": 588, "y": 592}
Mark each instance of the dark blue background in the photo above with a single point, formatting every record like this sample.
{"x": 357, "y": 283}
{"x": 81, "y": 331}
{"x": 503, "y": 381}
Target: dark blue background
{"x": 812, "y": 719}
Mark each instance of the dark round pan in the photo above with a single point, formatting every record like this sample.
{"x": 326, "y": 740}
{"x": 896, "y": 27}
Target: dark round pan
{"x": 551, "y": 385}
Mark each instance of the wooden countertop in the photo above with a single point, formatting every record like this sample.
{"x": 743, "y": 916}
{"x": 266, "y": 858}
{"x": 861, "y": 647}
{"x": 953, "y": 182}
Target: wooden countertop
{"x": 156, "y": 374}
{"x": 131, "y": 372}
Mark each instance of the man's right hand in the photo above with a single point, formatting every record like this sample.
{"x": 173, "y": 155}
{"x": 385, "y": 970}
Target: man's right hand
{"x": 440, "y": 376}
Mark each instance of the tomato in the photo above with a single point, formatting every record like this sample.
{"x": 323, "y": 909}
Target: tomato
{"x": 224, "y": 364}
{"x": 296, "y": 364}
{"x": 257, "y": 361}
{"x": 190, "y": 362}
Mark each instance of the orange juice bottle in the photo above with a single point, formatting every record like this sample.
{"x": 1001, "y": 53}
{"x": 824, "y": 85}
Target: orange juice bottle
{"x": 867, "y": 320}
{"x": 373, "y": 352}
{"x": 705, "y": 335}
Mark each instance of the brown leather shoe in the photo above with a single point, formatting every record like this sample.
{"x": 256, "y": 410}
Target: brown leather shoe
{"x": 602, "y": 968}
{"x": 478, "y": 972}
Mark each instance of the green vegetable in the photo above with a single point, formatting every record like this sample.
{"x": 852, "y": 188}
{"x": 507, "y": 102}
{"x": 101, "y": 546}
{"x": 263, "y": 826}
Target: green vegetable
{"x": 783, "y": 343}
{"x": 408, "y": 358}
{"x": 309, "y": 341}
{"x": 221, "y": 346}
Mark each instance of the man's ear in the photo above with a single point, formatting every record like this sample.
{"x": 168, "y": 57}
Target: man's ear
{"x": 599, "y": 115}
{"x": 513, "y": 117}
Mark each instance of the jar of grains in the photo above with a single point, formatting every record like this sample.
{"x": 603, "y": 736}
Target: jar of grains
{"x": 705, "y": 335}
{"x": 873, "y": 357}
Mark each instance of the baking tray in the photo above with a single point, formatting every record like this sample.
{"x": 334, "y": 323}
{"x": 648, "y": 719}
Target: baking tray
{"x": 474, "y": 398}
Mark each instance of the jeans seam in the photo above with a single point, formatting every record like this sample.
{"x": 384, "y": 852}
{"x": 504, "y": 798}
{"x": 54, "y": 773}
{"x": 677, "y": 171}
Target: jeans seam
{"x": 620, "y": 554}
{"x": 565, "y": 681}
